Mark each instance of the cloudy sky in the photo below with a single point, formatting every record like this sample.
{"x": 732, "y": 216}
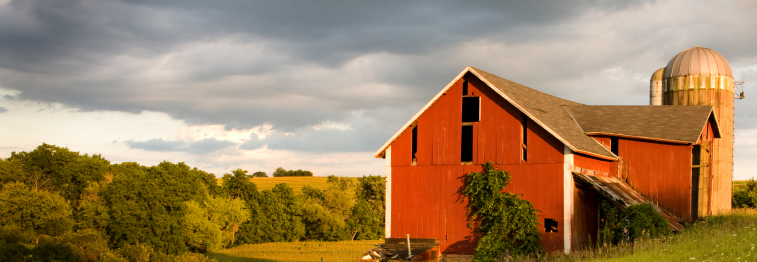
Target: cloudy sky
{"x": 321, "y": 85}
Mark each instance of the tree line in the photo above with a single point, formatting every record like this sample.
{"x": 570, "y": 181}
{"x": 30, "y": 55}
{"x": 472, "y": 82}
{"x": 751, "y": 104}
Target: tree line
{"x": 57, "y": 204}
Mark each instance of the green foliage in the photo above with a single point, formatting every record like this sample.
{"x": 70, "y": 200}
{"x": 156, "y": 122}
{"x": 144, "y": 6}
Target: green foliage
{"x": 280, "y": 171}
{"x": 282, "y": 215}
{"x": 259, "y": 174}
{"x": 324, "y": 212}
{"x": 645, "y": 221}
{"x": 364, "y": 223}
{"x": 228, "y": 214}
{"x": 147, "y": 204}
{"x": 367, "y": 217}
{"x": 745, "y": 196}
{"x": 639, "y": 221}
{"x": 50, "y": 168}
{"x": 42, "y": 212}
{"x": 91, "y": 213}
{"x": 238, "y": 185}
{"x": 201, "y": 235}
{"x": 275, "y": 216}
{"x": 613, "y": 224}
{"x": 507, "y": 222}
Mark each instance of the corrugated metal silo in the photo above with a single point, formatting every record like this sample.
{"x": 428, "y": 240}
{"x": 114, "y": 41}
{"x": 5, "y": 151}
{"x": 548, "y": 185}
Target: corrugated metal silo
{"x": 701, "y": 76}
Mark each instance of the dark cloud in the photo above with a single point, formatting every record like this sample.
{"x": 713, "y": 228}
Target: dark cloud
{"x": 3, "y": 110}
{"x": 297, "y": 64}
{"x": 199, "y": 147}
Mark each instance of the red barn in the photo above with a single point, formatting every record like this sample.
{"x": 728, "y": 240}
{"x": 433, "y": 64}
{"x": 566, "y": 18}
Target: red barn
{"x": 563, "y": 157}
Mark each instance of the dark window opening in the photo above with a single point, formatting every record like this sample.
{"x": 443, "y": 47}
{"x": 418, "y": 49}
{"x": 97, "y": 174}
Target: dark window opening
{"x": 695, "y": 161}
{"x": 524, "y": 136}
{"x": 465, "y": 88}
{"x": 696, "y": 153}
{"x": 466, "y": 144}
{"x": 550, "y": 225}
{"x": 415, "y": 143}
{"x": 614, "y": 145}
{"x": 471, "y": 109}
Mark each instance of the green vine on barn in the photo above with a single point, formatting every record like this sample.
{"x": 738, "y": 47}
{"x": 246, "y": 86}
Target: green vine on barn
{"x": 507, "y": 222}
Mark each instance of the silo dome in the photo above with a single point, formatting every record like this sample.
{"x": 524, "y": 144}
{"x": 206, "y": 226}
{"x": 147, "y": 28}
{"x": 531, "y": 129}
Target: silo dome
{"x": 698, "y": 61}
{"x": 657, "y": 75}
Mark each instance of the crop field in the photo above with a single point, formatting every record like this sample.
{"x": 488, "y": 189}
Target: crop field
{"x": 296, "y": 251}
{"x": 738, "y": 183}
{"x": 295, "y": 182}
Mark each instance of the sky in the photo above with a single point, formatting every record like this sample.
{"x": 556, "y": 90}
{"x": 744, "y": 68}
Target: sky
{"x": 321, "y": 85}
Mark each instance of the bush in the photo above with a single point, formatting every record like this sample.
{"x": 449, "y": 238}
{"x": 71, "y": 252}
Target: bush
{"x": 639, "y": 221}
{"x": 507, "y": 222}
{"x": 745, "y": 197}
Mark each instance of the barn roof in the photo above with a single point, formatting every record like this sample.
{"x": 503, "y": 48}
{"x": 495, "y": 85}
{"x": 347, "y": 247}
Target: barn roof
{"x": 546, "y": 110}
{"x": 571, "y": 122}
{"x": 678, "y": 124}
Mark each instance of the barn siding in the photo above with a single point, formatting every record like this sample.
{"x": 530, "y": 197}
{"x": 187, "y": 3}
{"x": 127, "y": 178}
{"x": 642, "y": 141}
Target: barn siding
{"x": 425, "y": 200}
{"x": 661, "y": 172}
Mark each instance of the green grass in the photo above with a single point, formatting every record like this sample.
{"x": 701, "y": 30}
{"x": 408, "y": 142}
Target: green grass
{"x": 295, "y": 182}
{"x": 731, "y": 237}
{"x": 296, "y": 251}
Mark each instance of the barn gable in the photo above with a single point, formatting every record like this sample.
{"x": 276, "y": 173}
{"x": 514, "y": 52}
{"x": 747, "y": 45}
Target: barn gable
{"x": 547, "y": 111}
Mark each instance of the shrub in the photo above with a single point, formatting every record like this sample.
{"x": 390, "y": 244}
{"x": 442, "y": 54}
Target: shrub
{"x": 507, "y": 222}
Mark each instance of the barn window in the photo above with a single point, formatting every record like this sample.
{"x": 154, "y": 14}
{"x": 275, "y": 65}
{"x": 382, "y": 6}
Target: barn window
{"x": 465, "y": 88}
{"x": 524, "y": 137}
{"x": 471, "y": 109}
{"x": 466, "y": 144}
{"x": 614, "y": 145}
{"x": 550, "y": 225}
{"x": 415, "y": 144}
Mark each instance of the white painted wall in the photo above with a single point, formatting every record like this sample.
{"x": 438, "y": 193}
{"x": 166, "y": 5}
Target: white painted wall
{"x": 388, "y": 207}
{"x": 567, "y": 198}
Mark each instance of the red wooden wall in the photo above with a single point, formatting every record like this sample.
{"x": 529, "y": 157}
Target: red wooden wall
{"x": 425, "y": 199}
{"x": 659, "y": 171}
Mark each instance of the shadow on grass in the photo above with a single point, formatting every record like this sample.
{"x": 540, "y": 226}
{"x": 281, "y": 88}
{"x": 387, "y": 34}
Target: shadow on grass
{"x": 229, "y": 258}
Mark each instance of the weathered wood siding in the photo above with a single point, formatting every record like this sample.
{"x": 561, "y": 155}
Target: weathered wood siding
{"x": 425, "y": 197}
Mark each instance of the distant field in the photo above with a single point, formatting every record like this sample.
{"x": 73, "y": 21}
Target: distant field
{"x": 296, "y": 251}
{"x": 295, "y": 182}
{"x": 738, "y": 183}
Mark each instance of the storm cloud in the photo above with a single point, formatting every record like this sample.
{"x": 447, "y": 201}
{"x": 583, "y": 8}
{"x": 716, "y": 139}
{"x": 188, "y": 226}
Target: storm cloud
{"x": 343, "y": 76}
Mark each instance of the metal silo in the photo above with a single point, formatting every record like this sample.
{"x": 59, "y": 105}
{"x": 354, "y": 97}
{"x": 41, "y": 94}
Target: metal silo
{"x": 701, "y": 76}
{"x": 655, "y": 88}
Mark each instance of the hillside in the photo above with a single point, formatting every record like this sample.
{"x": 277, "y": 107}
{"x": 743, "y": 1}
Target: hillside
{"x": 295, "y": 182}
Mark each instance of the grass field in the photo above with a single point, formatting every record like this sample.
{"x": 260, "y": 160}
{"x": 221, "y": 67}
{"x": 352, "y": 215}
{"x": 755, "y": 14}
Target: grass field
{"x": 295, "y": 182}
{"x": 296, "y": 251}
{"x": 731, "y": 237}
{"x": 720, "y": 238}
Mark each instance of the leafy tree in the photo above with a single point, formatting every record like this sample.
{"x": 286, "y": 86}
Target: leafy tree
{"x": 282, "y": 215}
{"x": 259, "y": 174}
{"x": 324, "y": 212}
{"x": 363, "y": 223}
{"x": 201, "y": 234}
{"x": 147, "y": 204}
{"x": 43, "y": 212}
{"x": 228, "y": 214}
{"x": 339, "y": 183}
{"x": 238, "y": 185}
{"x": 91, "y": 212}
{"x": 279, "y": 172}
{"x": 11, "y": 170}
{"x": 507, "y": 222}
{"x": 745, "y": 196}
{"x": 50, "y": 168}
{"x": 367, "y": 217}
